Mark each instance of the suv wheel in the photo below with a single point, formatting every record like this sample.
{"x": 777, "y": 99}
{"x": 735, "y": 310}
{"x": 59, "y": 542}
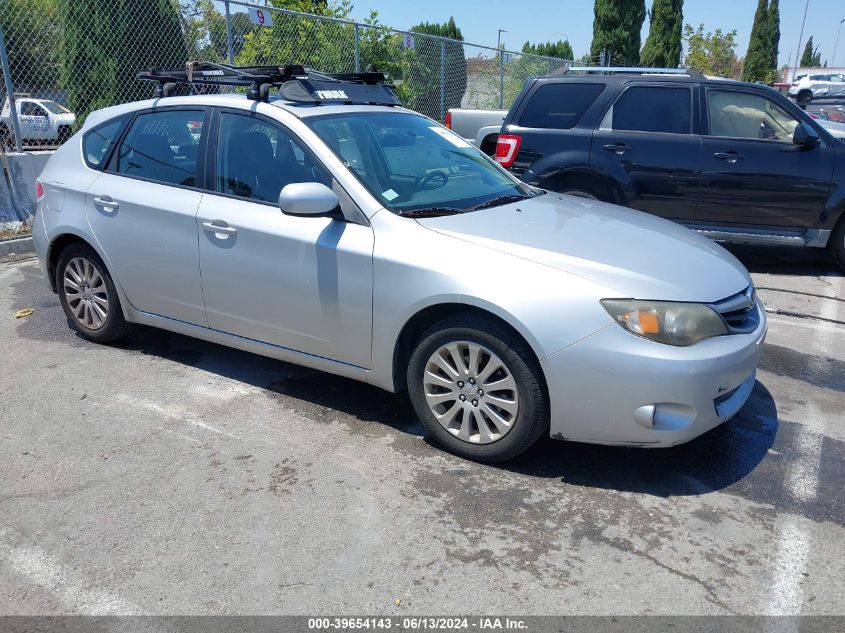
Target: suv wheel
{"x": 837, "y": 243}
{"x": 804, "y": 97}
{"x": 477, "y": 389}
{"x": 88, "y": 295}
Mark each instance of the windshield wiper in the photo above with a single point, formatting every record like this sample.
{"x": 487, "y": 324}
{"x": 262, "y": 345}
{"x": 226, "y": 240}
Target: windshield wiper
{"x": 495, "y": 202}
{"x": 430, "y": 212}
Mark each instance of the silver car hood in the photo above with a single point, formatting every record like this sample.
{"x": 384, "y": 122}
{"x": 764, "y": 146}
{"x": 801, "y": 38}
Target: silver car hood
{"x": 635, "y": 254}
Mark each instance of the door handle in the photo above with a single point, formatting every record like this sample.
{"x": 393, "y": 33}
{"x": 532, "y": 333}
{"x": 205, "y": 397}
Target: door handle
{"x": 728, "y": 157}
{"x": 617, "y": 148}
{"x": 219, "y": 227}
{"x": 106, "y": 202}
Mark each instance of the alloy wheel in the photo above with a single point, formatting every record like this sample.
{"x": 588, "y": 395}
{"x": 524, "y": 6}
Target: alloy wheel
{"x": 86, "y": 293}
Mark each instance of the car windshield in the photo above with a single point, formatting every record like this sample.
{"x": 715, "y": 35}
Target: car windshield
{"x": 54, "y": 107}
{"x": 415, "y": 166}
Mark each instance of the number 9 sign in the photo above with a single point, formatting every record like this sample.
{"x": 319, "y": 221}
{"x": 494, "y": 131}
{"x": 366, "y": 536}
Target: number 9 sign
{"x": 260, "y": 17}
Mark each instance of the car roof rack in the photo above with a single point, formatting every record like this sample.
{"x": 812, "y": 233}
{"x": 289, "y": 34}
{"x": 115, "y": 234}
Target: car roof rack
{"x": 296, "y": 83}
{"x": 631, "y": 70}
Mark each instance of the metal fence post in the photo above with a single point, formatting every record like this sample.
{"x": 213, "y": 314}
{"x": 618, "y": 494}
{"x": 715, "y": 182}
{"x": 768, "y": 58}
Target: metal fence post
{"x": 357, "y": 49}
{"x": 442, "y": 79}
{"x": 501, "y": 78}
{"x": 10, "y": 91}
{"x": 230, "y": 47}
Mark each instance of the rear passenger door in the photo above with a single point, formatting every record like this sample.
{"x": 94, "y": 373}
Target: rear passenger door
{"x": 142, "y": 210}
{"x": 647, "y": 143}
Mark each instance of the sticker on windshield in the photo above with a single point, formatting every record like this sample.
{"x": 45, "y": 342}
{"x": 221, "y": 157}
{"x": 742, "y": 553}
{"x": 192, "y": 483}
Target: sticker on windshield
{"x": 454, "y": 139}
{"x": 390, "y": 195}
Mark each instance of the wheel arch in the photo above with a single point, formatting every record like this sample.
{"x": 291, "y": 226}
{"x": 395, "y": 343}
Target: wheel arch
{"x": 583, "y": 177}
{"x": 424, "y": 318}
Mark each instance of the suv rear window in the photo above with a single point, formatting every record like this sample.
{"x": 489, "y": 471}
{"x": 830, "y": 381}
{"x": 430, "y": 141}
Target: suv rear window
{"x": 559, "y": 106}
{"x": 651, "y": 109}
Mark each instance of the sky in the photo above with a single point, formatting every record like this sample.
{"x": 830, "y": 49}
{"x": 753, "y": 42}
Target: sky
{"x": 545, "y": 20}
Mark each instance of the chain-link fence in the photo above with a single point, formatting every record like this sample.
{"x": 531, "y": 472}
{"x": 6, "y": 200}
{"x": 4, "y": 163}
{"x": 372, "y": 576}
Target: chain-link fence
{"x": 66, "y": 58}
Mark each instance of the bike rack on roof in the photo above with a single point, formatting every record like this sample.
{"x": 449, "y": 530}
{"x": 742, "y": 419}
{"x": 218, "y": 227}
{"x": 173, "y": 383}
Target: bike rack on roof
{"x": 296, "y": 83}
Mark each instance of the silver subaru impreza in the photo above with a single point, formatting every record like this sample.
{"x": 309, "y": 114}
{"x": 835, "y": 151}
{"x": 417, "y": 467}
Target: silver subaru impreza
{"x": 371, "y": 242}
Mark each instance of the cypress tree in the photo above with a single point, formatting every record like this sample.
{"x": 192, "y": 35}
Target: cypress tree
{"x": 663, "y": 46}
{"x": 616, "y": 28}
{"x": 758, "y": 57}
{"x": 810, "y": 58}
{"x": 774, "y": 36}
{"x": 422, "y": 78}
{"x": 106, "y": 42}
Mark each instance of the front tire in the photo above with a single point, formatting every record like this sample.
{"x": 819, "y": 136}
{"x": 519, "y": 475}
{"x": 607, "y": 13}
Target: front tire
{"x": 88, "y": 295}
{"x": 478, "y": 389}
{"x": 837, "y": 243}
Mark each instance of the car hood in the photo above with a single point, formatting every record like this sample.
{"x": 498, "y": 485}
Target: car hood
{"x": 634, "y": 254}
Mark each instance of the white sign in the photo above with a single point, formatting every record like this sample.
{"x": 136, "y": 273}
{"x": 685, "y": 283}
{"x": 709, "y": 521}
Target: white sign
{"x": 261, "y": 17}
{"x": 407, "y": 41}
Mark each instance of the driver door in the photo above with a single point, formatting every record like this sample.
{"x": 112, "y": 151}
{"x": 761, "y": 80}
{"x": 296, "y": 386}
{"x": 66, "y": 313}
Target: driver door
{"x": 752, "y": 171}
{"x": 302, "y": 283}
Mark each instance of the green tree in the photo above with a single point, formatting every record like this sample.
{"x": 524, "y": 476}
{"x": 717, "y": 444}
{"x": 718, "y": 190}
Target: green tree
{"x": 616, "y": 29}
{"x": 561, "y": 49}
{"x": 205, "y": 30}
{"x": 106, "y": 42}
{"x": 712, "y": 53}
{"x": 31, "y": 32}
{"x": 663, "y": 46}
{"x": 811, "y": 58}
{"x": 758, "y": 58}
{"x": 773, "y": 21}
{"x": 422, "y": 75}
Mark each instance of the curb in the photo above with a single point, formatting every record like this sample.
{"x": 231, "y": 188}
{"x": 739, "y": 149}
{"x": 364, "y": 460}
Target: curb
{"x": 16, "y": 246}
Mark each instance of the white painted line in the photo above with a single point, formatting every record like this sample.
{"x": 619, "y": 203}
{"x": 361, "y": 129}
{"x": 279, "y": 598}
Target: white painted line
{"x": 801, "y": 482}
{"x": 178, "y": 415}
{"x": 44, "y": 570}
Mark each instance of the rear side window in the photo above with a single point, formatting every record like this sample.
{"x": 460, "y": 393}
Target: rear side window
{"x": 97, "y": 143}
{"x": 162, "y": 146}
{"x": 651, "y": 109}
{"x": 559, "y": 106}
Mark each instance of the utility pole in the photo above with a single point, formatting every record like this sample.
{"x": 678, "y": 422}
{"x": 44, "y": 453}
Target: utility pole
{"x": 838, "y": 31}
{"x": 800, "y": 37}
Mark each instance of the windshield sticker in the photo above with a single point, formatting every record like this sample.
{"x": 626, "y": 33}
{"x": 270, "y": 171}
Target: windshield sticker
{"x": 454, "y": 139}
{"x": 390, "y": 195}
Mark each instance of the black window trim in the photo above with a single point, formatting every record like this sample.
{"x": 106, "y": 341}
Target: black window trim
{"x": 705, "y": 115}
{"x": 111, "y": 164}
{"x": 689, "y": 86}
{"x": 210, "y": 160}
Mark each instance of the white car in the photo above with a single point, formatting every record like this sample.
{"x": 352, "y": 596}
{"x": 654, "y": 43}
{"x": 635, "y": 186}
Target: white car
{"x": 39, "y": 120}
{"x": 808, "y": 87}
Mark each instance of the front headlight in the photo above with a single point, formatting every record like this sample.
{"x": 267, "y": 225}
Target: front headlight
{"x": 666, "y": 321}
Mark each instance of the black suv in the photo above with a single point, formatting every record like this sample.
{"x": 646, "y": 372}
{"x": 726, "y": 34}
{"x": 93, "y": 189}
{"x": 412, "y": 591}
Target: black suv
{"x": 736, "y": 161}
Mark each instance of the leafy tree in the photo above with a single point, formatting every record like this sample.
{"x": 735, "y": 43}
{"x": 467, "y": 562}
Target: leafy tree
{"x": 811, "y": 58}
{"x": 712, "y": 53}
{"x": 106, "y": 42}
{"x": 205, "y": 30}
{"x": 616, "y": 28}
{"x": 31, "y": 32}
{"x": 663, "y": 46}
{"x": 773, "y": 23}
{"x": 758, "y": 58}
{"x": 561, "y": 49}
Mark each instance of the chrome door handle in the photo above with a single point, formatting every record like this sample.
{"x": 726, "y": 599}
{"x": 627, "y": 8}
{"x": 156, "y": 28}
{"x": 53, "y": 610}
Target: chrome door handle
{"x": 617, "y": 148}
{"x": 211, "y": 227}
{"x": 106, "y": 202}
{"x": 728, "y": 157}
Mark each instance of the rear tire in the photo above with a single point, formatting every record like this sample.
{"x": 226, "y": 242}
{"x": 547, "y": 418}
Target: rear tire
{"x": 88, "y": 295}
{"x": 804, "y": 97}
{"x": 448, "y": 393}
{"x": 837, "y": 243}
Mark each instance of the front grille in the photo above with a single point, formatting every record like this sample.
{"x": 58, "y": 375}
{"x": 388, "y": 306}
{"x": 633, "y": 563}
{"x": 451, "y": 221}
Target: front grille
{"x": 740, "y": 311}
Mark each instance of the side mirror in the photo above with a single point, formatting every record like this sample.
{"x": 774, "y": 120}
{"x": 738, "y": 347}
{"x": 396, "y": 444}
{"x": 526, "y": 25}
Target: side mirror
{"x": 805, "y": 136}
{"x": 307, "y": 198}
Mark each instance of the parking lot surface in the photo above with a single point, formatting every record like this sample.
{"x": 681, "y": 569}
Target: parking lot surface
{"x": 166, "y": 475}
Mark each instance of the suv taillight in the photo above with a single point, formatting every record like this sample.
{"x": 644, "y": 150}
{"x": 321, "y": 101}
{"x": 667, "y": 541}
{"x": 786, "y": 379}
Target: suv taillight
{"x": 507, "y": 148}
{"x": 448, "y": 120}
{"x": 39, "y": 190}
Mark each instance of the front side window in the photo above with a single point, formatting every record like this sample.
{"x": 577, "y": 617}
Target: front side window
{"x": 751, "y": 116}
{"x": 30, "y": 108}
{"x": 651, "y": 109}
{"x": 162, "y": 146}
{"x": 256, "y": 159}
{"x": 411, "y": 164}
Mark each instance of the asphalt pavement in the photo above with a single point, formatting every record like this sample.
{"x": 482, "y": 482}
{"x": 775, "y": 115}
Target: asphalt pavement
{"x": 165, "y": 475}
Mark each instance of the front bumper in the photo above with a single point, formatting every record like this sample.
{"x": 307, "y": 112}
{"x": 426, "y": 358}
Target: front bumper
{"x": 617, "y": 388}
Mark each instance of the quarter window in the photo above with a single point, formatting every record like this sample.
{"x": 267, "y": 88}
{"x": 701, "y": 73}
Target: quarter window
{"x": 163, "y": 146}
{"x": 745, "y": 115}
{"x": 97, "y": 142}
{"x": 651, "y": 109}
{"x": 559, "y": 106}
{"x": 256, "y": 159}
